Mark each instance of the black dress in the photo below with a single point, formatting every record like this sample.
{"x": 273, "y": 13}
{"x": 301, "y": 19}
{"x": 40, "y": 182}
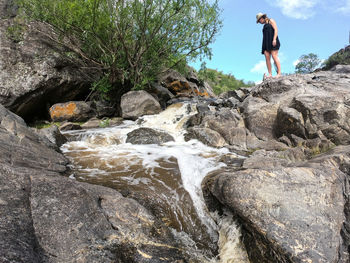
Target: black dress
{"x": 268, "y": 33}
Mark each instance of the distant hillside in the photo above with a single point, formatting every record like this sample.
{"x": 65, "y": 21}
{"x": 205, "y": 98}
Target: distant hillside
{"x": 221, "y": 82}
{"x": 340, "y": 57}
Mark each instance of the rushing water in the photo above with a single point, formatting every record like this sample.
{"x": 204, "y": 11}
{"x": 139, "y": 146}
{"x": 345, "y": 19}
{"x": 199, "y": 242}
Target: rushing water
{"x": 165, "y": 178}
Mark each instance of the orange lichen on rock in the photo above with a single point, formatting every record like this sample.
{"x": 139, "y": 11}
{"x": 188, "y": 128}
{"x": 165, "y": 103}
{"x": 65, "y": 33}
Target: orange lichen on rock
{"x": 59, "y": 111}
{"x": 179, "y": 86}
{"x": 202, "y": 94}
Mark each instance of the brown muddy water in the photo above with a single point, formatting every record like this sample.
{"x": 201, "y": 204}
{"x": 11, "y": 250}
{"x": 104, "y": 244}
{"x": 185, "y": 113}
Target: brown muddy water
{"x": 164, "y": 178}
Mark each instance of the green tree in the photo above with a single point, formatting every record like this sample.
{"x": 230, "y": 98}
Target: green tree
{"x": 131, "y": 40}
{"x": 307, "y": 63}
{"x": 219, "y": 81}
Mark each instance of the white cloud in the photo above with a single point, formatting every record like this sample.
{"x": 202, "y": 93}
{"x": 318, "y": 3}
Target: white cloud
{"x": 298, "y": 9}
{"x": 345, "y": 7}
{"x": 259, "y": 67}
{"x": 296, "y": 62}
{"x": 304, "y": 9}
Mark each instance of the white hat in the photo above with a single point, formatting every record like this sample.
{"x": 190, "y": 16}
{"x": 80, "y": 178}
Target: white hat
{"x": 258, "y": 16}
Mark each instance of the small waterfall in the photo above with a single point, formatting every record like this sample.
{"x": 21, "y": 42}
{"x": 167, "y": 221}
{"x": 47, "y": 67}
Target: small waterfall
{"x": 231, "y": 249}
{"x": 169, "y": 176}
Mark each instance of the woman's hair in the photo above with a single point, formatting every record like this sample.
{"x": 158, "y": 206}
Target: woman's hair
{"x": 266, "y": 17}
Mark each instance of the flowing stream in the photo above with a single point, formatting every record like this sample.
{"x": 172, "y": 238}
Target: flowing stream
{"x": 164, "y": 178}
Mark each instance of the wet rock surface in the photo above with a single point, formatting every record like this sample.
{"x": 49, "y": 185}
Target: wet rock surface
{"x": 46, "y": 217}
{"x": 96, "y": 224}
{"x": 148, "y": 136}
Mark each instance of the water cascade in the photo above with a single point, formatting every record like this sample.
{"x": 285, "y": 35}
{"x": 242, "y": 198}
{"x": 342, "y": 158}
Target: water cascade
{"x": 164, "y": 178}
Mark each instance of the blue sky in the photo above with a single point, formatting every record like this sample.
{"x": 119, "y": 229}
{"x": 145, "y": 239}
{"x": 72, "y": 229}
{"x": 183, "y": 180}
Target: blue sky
{"x": 305, "y": 26}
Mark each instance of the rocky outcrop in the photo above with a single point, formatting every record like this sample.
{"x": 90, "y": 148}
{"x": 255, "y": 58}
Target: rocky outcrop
{"x": 148, "y": 136}
{"x": 291, "y": 214}
{"x": 47, "y": 217}
{"x": 182, "y": 86}
{"x": 229, "y": 128}
{"x": 54, "y": 135}
{"x": 22, "y": 154}
{"x": 206, "y": 136}
{"x": 135, "y": 104}
{"x": 160, "y": 93}
{"x": 308, "y": 106}
{"x": 342, "y": 57}
{"x": 345, "y": 69}
{"x": 36, "y": 72}
{"x": 292, "y": 203}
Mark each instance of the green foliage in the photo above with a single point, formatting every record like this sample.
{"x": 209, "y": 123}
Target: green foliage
{"x": 104, "y": 123}
{"x": 132, "y": 40}
{"x": 103, "y": 86}
{"x": 16, "y": 30}
{"x": 221, "y": 82}
{"x": 340, "y": 57}
{"x": 307, "y": 63}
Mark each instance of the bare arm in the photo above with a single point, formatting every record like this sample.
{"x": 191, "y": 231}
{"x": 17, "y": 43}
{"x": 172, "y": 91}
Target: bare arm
{"x": 274, "y": 25}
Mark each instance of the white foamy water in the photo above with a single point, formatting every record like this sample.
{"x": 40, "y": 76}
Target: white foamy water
{"x": 231, "y": 249}
{"x": 101, "y": 153}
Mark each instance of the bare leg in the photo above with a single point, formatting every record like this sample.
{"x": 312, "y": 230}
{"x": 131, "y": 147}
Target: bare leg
{"x": 268, "y": 62}
{"x": 274, "y": 54}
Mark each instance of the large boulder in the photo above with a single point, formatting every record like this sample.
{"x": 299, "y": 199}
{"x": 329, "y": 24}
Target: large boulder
{"x": 259, "y": 117}
{"x": 135, "y": 104}
{"x": 54, "y": 135}
{"x": 35, "y": 71}
{"x": 76, "y": 111}
{"x": 291, "y": 214}
{"x": 206, "y": 136}
{"x": 148, "y": 136}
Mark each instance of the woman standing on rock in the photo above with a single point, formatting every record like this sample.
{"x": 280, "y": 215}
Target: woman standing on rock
{"x": 271, "y": 43}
